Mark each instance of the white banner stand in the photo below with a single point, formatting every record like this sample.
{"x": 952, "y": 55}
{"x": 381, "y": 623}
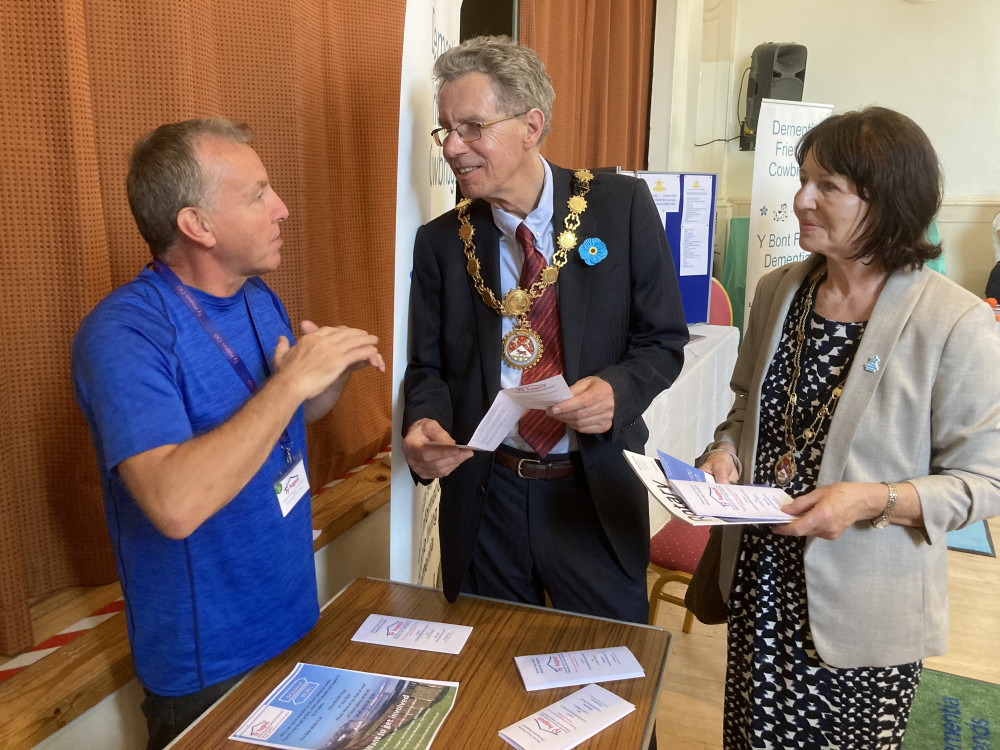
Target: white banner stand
{"x": 425, "y": 188}
{"x": 774, "y": 230}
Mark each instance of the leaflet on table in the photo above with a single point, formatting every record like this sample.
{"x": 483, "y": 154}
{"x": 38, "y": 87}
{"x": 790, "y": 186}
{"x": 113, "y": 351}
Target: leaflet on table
{"x": 694, "y": 497}
{"x": 569, "y": 722}
{"x": 323, "y": 707}
{"x": 384, "y": 630}
{"x": 508, "y": 407}
{"x": 543, "y": 671}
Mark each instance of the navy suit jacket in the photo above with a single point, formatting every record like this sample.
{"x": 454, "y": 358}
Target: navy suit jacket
{"x": 621, "y": 319}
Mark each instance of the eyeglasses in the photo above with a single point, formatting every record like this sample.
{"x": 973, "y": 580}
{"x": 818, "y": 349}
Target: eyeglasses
{"x": 468, "y": 131}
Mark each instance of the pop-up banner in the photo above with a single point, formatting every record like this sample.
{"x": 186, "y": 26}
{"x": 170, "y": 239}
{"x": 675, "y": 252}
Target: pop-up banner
{"x": 425, "y": 189}
{"x": 774, "y": 230}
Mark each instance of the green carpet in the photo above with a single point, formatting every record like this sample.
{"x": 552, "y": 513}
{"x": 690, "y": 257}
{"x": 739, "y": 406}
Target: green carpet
{"x": 953, "y": 712}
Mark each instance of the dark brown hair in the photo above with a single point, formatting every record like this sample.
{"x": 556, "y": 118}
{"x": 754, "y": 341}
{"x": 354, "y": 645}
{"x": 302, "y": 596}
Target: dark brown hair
{"x": 894, "y": 168}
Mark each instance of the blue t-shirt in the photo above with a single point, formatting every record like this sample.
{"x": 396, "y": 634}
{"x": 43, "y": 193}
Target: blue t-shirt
{"x": 242, "y": 587}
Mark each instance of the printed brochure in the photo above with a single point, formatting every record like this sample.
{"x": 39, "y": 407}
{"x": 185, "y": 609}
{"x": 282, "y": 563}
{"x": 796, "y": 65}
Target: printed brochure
{"x": 543, "y": 671}
{"x": 694, "y": 497}
{"x": 325, "y": 707}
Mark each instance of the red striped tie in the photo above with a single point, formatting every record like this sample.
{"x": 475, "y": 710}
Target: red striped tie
{"x": 539, "y": 430}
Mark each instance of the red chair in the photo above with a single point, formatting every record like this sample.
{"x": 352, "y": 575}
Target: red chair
{"x": 674, "y": 552}
{"x": 720, "y": 309}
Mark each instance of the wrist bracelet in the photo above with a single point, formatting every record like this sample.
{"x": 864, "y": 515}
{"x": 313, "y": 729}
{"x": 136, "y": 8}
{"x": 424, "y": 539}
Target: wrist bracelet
{"x": 732, "y": 455}
{"x": 882, "y": 520}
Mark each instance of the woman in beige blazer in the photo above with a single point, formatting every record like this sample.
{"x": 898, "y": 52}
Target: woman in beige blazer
{"x": 869, "y": 389}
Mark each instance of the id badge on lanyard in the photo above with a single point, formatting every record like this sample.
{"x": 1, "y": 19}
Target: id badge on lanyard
{"x": 292, "y": 485}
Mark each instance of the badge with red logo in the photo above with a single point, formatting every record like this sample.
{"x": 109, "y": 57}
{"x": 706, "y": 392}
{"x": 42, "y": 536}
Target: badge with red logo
{"x": 292, "y": 486}
{"x": 522, "y": 348}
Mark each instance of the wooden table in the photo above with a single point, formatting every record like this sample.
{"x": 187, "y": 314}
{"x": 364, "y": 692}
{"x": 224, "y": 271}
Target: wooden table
{"x": 491, "y": 695}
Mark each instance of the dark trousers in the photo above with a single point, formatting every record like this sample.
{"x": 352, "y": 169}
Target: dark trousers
{"x": 168, "y": 716}
{"x": 543, "y": 536}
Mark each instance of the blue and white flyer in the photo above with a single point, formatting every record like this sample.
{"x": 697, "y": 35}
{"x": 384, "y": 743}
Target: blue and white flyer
{"x": 694, "y": 497}
{"x": 339, "y": 709}
{"x": 731, "y": 503}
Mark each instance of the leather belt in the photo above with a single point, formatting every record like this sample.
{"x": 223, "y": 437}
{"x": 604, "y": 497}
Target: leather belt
{"x": 532, "y": 468}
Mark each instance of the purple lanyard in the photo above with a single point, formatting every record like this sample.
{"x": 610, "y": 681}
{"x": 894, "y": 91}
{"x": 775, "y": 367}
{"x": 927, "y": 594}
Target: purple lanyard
{"x": 180, "y": 289}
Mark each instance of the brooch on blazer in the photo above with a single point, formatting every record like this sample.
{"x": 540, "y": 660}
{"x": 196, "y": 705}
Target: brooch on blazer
{"x": 872, "y": 364}
{"x": 593, "y": 251}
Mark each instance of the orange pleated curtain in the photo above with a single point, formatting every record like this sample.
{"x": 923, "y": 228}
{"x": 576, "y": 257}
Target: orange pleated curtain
{"x": 599, "y": 54}
{"x": 80, "y": 80}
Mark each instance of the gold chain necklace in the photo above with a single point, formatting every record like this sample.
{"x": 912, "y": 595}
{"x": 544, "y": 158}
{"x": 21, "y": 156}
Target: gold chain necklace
{"x": 522, "y": 347}
{"x": 784, "y": 467}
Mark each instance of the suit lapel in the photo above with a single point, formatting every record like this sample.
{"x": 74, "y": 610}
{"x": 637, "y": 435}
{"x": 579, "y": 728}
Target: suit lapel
{"x": 889, "y": 316}
{"x": 784, "y": 294}
{"x": 574, "y": 284}
{"x": 487, "y": 321}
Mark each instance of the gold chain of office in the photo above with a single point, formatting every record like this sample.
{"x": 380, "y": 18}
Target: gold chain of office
{"x": 517, "y": 302}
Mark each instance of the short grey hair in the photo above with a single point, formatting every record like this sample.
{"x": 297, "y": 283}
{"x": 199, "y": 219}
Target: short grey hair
{"x": 165, "y": 175}
{"x": 520, "y": 81}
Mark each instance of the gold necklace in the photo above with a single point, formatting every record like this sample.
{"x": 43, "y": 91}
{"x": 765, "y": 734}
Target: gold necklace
{"x": 784, "y": 467}
{"x": 522, "y": 347}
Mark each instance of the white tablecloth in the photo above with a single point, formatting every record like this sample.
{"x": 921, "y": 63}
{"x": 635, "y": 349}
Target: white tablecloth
{"x": 683, "y": 418}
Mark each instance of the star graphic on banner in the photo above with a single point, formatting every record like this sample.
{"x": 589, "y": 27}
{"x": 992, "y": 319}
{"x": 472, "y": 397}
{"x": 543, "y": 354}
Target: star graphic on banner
{"x": 763, "y": 210}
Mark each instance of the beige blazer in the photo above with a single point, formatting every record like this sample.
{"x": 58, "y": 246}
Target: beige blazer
{"x": 929, "y": 415}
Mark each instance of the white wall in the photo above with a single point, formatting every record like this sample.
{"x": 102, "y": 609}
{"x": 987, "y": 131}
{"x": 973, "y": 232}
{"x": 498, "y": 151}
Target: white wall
{"x": 673, "y": 102}
{"x": 937, "y": 62}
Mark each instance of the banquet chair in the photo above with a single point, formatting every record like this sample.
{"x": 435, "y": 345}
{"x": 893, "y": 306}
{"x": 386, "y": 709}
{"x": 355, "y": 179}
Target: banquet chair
{"x": 674, "y": 552}
{"x": 720, "y": 308}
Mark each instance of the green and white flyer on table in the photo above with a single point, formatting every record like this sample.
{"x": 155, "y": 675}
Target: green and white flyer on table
{"x": 340, "y": 709}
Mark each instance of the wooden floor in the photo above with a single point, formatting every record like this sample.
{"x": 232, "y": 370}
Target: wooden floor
{"x": 689, "y": 714}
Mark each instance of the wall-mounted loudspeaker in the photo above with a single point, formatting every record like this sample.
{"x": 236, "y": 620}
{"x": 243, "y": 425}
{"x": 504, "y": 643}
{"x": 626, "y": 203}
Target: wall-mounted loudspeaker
{"x": 777, "y": 71}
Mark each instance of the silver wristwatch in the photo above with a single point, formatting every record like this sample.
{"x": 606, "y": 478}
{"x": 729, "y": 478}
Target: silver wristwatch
{"x": 882, "y": 521}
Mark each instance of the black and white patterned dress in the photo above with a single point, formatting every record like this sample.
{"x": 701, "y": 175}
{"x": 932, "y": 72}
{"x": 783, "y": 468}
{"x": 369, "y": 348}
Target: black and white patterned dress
{"x": 779, "y": 693}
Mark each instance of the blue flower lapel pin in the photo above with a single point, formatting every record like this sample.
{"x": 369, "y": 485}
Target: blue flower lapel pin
{"x": 593, "y": 251}
{"x": 872, "y": 364}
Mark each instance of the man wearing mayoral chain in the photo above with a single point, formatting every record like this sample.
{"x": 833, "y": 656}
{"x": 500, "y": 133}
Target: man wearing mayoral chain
{"x": 540, "y": 271}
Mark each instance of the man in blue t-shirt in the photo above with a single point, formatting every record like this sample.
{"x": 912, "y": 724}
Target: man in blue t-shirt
{"x": 197, "y": 395}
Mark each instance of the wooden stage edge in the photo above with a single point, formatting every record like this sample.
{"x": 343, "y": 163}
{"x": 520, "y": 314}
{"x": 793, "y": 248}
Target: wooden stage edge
{"x": 48, "y": 695}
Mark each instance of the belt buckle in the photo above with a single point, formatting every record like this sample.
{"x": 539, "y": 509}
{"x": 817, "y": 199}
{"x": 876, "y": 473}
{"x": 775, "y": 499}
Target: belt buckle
{"x": 521, "y": 461}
